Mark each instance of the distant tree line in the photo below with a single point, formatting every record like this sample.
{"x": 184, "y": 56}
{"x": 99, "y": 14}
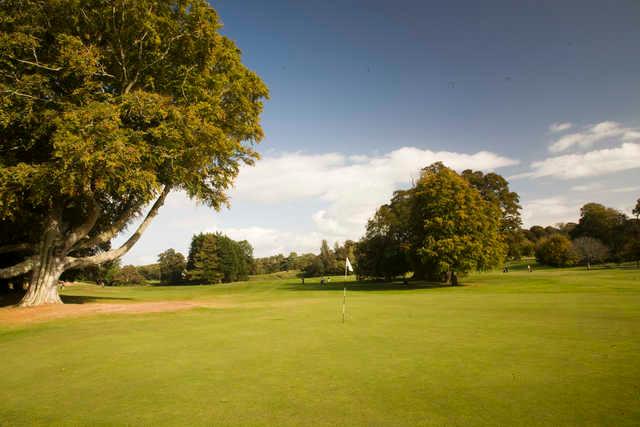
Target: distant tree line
{"x": 212, "y": 258}
{"x": 449, "y": 223}
{"x": 602, "y": 234}
{"x": 277, "y": 263}
{"x": 330, "y": 261}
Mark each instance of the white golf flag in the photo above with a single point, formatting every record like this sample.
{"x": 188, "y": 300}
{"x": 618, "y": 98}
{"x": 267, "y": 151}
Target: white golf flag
{"x": 348, "y": 266}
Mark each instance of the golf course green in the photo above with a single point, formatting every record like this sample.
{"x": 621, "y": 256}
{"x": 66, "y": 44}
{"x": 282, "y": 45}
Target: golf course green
{"x": 552, "y": 347}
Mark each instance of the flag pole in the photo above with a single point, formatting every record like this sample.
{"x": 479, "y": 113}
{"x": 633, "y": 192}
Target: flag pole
{"x": 344, "y": 293}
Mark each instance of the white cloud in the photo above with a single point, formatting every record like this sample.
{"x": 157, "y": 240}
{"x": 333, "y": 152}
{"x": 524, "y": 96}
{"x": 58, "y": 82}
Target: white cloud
{"x": 626, "y": 189}
{"x": 292, "y": 176}
{"x": 351, "y": 188}
{"x": 548, "y": 211}
{"x": 270, "y": 241}
{"x": 339, "y": 194}
{"x": 593, "y": 134}
{"x": 588, "y": 187}
{"x": 593, "y": 163}
{"x": 601, "y": 188}
{"x": 560, "y": 127}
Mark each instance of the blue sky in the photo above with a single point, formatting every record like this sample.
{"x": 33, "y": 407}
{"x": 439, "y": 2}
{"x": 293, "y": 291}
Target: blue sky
{"x": 364, "y": 93}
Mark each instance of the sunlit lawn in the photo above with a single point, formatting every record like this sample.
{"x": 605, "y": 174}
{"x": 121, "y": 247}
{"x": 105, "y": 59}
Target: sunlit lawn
{"x": 552, "y": 347}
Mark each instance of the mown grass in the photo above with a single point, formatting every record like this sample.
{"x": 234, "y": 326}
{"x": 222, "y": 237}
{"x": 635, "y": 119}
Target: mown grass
{"x": 552, "y": 347}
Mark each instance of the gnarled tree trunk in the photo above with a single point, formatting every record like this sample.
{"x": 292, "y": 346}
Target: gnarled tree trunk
{"x": 52, "y": 258}
{"x": 43, "y": 286}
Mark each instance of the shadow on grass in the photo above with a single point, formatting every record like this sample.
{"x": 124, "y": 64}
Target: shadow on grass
{"x": 10, "y": 298}
{"x": 365, "y": 286}
{"x": 13, "y": 298}
{"x": 84, "y": 299}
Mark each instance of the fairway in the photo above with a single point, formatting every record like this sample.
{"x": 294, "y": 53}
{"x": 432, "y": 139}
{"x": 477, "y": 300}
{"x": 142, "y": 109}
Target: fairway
{"x": 553, "y": 347}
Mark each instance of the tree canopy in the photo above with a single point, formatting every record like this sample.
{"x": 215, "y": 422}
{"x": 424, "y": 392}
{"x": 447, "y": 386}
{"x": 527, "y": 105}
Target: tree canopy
{"x": 214, "y": 257}
{"x": 106, "y": 106}
{"x": 441, "y": 225}
{"x": 495, "y": 189}
{"x": 172, "y": 265}
{"x": 556, "y": 250}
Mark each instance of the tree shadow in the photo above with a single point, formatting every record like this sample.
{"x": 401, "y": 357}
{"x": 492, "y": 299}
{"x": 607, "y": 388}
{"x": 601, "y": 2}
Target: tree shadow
{"x": 10, "y": 298}
{"x": 366, "y": 286}
{"x": 84, "y": 299}
{"x": 13, "y": 298}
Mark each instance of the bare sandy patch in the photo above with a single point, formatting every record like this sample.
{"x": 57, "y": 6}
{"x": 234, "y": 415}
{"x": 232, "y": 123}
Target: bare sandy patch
{"x": 20, "y": 315}
{"x": 26, "y": 315}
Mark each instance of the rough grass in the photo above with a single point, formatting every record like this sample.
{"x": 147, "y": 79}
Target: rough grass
{"x": 553, "y": 347}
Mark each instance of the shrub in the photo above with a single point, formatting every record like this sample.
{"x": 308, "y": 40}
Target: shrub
{"x": 127, "y": 275}
{"x": 556, "y": 250}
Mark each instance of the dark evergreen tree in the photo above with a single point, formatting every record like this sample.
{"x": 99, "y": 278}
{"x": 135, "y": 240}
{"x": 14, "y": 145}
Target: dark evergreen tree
{"x": 328, "y": 259}
{"x": 206, "y": 264}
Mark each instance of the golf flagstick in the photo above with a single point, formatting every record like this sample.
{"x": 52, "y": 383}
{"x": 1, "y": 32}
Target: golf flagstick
{"x": 344, "y": 293}
{"x": 344, "y": 301}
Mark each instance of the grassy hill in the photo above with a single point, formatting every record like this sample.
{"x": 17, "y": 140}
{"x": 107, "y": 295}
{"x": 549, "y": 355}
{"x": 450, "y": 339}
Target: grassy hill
{"x": 552, "y": 347}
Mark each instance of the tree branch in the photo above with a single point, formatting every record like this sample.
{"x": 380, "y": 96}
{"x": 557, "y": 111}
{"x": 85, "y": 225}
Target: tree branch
{"x": 117, "y": 253}
{"x": 111, "y": 232}
{"x": 16, "y": 270}
{"x": 85, "y": 228}
{"x": 38, "y": 65}
{"x": 24, "y": 95}
{"x": 18, "y": 247}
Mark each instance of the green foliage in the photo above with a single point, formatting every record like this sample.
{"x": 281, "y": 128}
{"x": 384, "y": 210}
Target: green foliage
{"x": 233, "y": 260}
{"x": 459, "y": 230}
{"x": 206, "y": 264}
{"x": 271, "y": 264}
{"x": 442, "y": 224}
{"x": 385, "y": 250}
{"x": 172, "y": 265}
{"x": 328, "y": 262}
{"x": 328, "y": 259}
{"x": 196, "y": 244}
{"x": 315, "y": 268}
{"x": 495, "y": 189}
{"x": 217, "y": 258}
{"x": 556, "y": 250}
{"x": 150, "y": 271}
{"x": 107, "y": 272}
{"x": 602, "y": 223}
{"x": 127, "y": 275}
{"x": 631, "y": 248}
{"x": 104, "y": 103}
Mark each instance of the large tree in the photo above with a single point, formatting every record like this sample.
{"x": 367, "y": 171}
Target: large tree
{"x": 602, "y": 223}
{"x": 172, "y": 265}
{"x": 455, "y": 228}
{"x": 328, "y": 258}
{"x": 440, "y": 226}
{"x": 590, "y": 250}
{"x": 215, "y": 257}
{"x": 495, "y": 189}
{"x": 384, "y": 251}
{"x": 107, "y": 106}
{"x": 206, "y": 260}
